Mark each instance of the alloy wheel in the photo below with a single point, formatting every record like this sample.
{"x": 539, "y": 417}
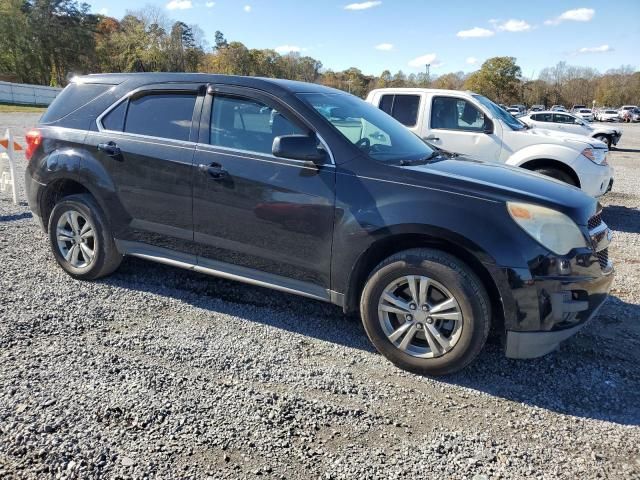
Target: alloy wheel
{"x": 76, "y": 239}
{"x": 420, "y": 316}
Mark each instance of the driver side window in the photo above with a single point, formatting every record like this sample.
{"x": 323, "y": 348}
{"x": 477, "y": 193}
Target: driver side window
{"x": 451, "y": 113}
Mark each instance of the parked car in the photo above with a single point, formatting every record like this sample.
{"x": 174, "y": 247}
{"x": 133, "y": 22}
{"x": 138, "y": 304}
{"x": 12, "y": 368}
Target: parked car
{"x": 469, "y": 124}
{"x": 514, "y": 111}
{"x": 566, "y": 122}
{"x": 607, "y": 115}
{"x": 635, "y": 115}
{"x": 536, "y": 108}
{"x": 584, "y": 114}
{"x": 625, "y": 113}
{"x": 558, "y": 108}
{"x": 335, "y": 200}
{"x": 577, "y": 108}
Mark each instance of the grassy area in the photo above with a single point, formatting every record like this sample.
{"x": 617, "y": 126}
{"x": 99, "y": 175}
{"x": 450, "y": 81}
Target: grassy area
{"x": 4, "y": 108}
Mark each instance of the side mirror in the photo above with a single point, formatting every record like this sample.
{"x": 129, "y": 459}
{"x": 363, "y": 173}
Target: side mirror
{"x": 488, "y": 126}
{"x": 298, "y": 147}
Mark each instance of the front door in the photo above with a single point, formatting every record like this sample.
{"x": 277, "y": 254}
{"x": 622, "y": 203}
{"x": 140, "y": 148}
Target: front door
{"x": 145, "y": 144}
{"x": 458, "y": 126}
{"x": 270, "y": 216}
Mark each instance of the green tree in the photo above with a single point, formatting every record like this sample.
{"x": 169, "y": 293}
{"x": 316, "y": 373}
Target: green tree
{"x": 498, "y": 79}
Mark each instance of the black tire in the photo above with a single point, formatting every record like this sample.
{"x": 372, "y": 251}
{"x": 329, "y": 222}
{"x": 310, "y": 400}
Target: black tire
{"x": 605, "y": 139}
{"x": 464, "y": 286}
{"x": 557, "y": 174}
{"x": 106, "y": 258}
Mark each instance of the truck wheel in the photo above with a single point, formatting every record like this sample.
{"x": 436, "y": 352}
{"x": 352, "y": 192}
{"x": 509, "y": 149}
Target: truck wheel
{"x": 80, "y": 238}
{"x": 605, "y": 139}
{"x": 557, "y": 174}
{"x": 426, "y": 312}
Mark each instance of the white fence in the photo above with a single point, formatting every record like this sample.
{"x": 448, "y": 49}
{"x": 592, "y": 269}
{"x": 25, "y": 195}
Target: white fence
{"x": 27, "y": 94}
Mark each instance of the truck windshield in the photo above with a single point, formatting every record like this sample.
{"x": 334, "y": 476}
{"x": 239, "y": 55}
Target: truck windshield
{"x": 500, "y": 113}
{"x": 374, "y": 132}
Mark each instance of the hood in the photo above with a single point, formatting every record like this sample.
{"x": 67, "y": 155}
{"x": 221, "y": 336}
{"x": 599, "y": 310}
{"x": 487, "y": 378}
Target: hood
{"x": 542, "y": 135}
{"x": 504, "y": 183}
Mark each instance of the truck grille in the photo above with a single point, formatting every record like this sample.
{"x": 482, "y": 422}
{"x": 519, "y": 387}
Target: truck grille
{"x": 603, "y": 258}
{"x": 595, "y": 221}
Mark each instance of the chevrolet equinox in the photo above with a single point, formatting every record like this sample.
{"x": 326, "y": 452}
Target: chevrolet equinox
{"x": 312, "y": 191}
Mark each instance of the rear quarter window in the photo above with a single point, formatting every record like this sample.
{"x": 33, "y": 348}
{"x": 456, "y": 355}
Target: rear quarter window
{"x": 73, "y": 97}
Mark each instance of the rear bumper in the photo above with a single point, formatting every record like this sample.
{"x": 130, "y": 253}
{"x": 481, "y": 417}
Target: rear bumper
{"x": 34, "y": 191}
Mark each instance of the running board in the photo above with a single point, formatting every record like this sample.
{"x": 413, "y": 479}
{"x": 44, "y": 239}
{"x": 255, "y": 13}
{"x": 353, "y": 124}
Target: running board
{"x": 226, "y": 270}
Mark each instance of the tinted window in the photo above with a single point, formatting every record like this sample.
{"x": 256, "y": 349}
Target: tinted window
{"x": 456, "y": 114}
{"x": 166, "y": 115}
{"x": 386, "y": 103}
{"x": 114, "y": 120}
{"x": 543, "y": 117}
{"x": 246, "y": 124}
{"x": 376, "y": 134}
{"x": 405, "y": 109}
{"x": 561, "y": 118}
{"x": 73, "y": 97}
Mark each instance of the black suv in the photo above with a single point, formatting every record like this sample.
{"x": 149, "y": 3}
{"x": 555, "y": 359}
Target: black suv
{"x": 310, "y": 190}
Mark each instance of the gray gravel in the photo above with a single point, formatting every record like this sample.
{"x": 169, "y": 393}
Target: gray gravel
{"x": 162, "y": 373}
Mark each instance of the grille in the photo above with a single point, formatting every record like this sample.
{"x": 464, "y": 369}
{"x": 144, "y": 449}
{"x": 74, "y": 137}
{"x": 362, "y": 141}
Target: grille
{"x": 595, "y": 221}
{"x": 603, "y": 258}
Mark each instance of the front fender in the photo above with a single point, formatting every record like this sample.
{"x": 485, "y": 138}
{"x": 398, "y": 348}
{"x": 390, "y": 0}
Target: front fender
{"x": 559, "y": 153}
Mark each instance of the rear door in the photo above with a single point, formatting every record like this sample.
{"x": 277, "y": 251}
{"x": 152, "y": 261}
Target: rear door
{"x": 268, "y": 217}
{"x": 566, "y": 123}
{"x": 146, "y": 144}
{"x": 457, "y": 125}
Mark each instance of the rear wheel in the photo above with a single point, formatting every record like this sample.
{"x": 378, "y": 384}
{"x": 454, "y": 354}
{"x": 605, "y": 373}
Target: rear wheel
{"x": 426, "y": 312}
{"x": 557, "y": 174}
{"x": 80, "y": 238}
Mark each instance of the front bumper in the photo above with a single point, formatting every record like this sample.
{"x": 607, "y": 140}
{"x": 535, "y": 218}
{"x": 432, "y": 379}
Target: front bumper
{"x": 594, "y": 178}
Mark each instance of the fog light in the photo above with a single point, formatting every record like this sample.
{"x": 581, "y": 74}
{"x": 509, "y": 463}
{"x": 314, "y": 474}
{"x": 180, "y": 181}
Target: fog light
{"x": 564, "y": 267}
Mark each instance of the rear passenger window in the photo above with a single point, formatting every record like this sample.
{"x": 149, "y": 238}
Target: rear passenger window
{"x": 114, "y": 120}
{"x": 166, "y": 115}
{"x": 246, "y": 124}
{"x": 403, "y": 108}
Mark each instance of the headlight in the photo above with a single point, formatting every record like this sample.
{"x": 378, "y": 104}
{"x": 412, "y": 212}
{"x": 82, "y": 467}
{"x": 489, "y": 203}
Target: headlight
{"x": 596, "y": 155}
{"x": 553, "y": 229}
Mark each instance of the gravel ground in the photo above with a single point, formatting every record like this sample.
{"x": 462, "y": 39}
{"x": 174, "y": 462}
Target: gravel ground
{"x": 157, "y": 372}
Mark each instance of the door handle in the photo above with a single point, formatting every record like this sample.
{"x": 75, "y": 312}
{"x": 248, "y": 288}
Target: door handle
{"x": 214, "y": 170}
{"x": 432, "y": 137}
{"x": 110, "y": 148}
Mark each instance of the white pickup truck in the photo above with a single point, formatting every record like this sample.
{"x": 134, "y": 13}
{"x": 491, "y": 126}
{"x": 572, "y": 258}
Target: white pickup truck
{"x": 471, "y": 125}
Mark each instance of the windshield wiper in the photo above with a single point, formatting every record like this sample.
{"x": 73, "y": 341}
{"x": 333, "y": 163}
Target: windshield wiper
{"x": 419, "y": 161}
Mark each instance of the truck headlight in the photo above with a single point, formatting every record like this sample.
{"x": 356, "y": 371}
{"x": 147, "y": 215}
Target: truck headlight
{"x": 553, "y": 229}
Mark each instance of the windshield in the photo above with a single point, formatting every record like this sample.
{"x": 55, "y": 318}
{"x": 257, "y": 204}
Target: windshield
{"x": 500, "y": 113}
{"x": 370, "y": 129}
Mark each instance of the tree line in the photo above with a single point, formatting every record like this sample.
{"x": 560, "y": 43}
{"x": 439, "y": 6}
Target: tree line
{"x": 46, "y": 42}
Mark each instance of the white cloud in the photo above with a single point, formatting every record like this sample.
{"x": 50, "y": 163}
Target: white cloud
{"x": 429, "y": 58}
{"x": 577, "y": 15}
{"x": 179, "y": 5}
{"x": 247, "y": 8}
{"x": 362, "y": 5}
{"x": 385, "y": 47}
{"x": 600, "y": 49}
{"x": 103, "y": 11}
{"x": 513, "y": 25}
{"x": 282, "y": 49}
{"x": 475, "y": 32}
{"x": 471, "y": 60}
{"x": 209, "y": 4}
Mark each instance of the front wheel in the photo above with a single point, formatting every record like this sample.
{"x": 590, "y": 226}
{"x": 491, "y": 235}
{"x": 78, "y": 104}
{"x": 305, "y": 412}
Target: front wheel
{"x": 80, "y": 238}
{"x": 557, "y": 174}
{"x": 605, "y": 139}
{"x": 426, "y": 312}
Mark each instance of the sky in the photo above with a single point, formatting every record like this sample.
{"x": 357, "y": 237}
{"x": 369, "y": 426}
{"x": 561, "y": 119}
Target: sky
{"x": 405, "y": 35}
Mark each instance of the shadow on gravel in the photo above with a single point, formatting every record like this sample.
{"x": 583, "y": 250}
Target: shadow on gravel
{"x": 289, "y": 312}
{"x": 17, "y": 216}
{"x": 594, "y": 375}
{"x": 627, "y": 150}
{"x": 622, "y": 219}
